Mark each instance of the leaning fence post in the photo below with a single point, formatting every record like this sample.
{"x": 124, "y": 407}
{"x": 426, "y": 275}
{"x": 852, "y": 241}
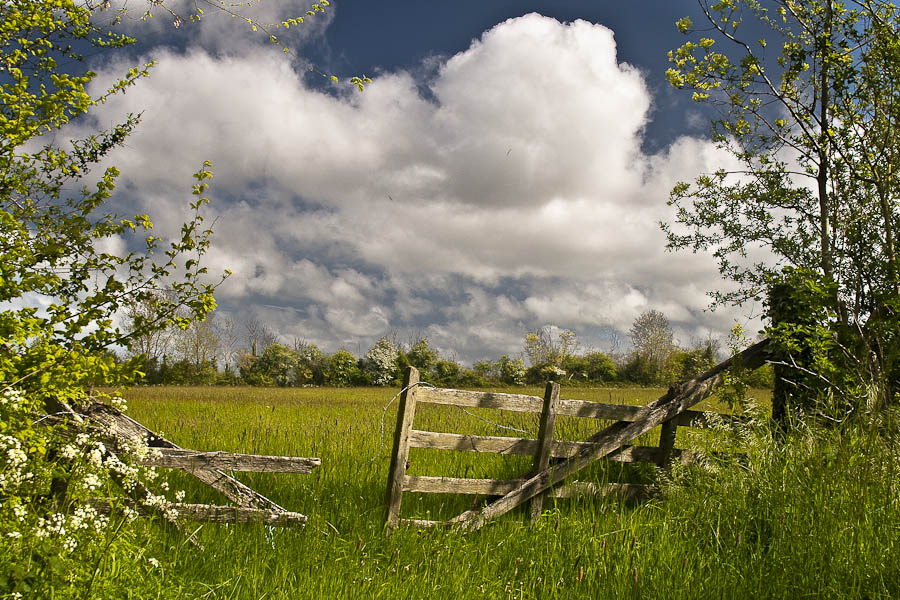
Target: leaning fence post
{"x": 545, "y": 441}
{"x": 667, "y": 441}
{"x": 406, "y": 410}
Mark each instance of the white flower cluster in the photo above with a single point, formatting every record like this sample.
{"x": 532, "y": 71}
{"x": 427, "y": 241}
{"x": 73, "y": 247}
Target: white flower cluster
{"x": 380, "y": 361}
{"x": 164, "y": 506}
{"x": 65, "y": 528}
{"x": 13, "y": 463}
{"x": 12, "y": 399}
{"x": 119, "y": 403}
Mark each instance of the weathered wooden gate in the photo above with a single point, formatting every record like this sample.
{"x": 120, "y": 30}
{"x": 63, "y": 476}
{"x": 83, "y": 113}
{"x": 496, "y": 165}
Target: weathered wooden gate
{"x": 554, "y": 460}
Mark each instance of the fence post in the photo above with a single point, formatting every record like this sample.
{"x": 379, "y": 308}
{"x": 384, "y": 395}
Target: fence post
{"x": 406, "y": 410}
{"x": 667, "y": 441}
{"x": 545, "y": 442}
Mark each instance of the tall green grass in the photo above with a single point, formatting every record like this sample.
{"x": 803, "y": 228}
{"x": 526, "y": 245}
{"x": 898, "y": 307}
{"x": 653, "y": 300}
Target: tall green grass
{"x": 816, "y": 514}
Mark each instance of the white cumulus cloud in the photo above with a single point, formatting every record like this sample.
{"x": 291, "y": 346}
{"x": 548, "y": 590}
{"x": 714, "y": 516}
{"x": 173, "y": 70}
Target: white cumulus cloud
{"x": 514, "y": 193}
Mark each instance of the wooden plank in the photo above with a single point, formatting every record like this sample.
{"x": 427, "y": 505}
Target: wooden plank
{"x": 678, "y": 399}
{"x": 568, "y": 408}
{"x": 498, "y": 487}
{"x": 424, "y": 523}
{"x": 123, "y": 425}
{"x": 522, "y": 446}
{"x": 211, "y": 513}
{"x": 667, "y": 434}
{"x": 628, "y": 412}
{"x": 465, "y": 398}
{"x": 544, "y": 442}
{"x": 472, "y": 443}
{"x": 191, "y": 460}
{"x": 406, "y": 411}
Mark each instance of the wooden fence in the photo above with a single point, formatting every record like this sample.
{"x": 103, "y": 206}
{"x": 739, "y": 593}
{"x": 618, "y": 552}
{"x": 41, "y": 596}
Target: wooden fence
{"x": 548, "y": 453}
{"x": 208, "y": 467}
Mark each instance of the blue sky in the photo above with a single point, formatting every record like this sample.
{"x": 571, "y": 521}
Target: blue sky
{"x": 505, "y": 170}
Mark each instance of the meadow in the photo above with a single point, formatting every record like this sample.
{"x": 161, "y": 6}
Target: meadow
{"x": 814, "y": 514}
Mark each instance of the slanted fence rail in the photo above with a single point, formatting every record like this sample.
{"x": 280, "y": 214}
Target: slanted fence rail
{"x": 545, "y": 450}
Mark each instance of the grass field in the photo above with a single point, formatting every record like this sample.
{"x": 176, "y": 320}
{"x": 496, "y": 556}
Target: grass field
{"x": 816, "y": 515}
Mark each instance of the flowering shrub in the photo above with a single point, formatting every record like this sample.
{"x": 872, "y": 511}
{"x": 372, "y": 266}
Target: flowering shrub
{"x": 55, "y": 475}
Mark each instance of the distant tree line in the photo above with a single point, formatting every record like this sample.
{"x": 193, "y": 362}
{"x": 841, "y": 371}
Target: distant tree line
{"x": 222, "y": 351}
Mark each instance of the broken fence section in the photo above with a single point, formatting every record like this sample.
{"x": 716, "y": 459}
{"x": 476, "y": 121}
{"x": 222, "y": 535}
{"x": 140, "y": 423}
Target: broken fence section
{"x": 209, "y": 468}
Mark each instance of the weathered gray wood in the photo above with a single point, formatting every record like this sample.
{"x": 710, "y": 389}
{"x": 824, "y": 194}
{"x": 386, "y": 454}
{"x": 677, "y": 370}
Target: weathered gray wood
{"x": 123, "y": 425}
{"x": 191, "y": 460}
{"x": 674, "y": 402}
{"x": 499, "y": 487}
{"x": 667, "y": 434}
{"x": 567, "y": 408}
{"x": 523, "y": 446}
{"x": 472, "y": 443}
{"x": 406, "y": 411}
{"x": 468, "y": 399}
{"x": 424, "y": 523}
{"x": 544, "y": 442}
{"x": 211, "y": 513}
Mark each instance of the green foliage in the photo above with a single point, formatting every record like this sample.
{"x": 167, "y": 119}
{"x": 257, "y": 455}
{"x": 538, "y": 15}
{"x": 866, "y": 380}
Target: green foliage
{"x": 595, "y": 367}
{"x": 278, "y": 364}
{"x": 511, "y": 371}
{"x": 342, "y": 370}
{"x": 548, "y": 346}
{"x": 52, "y": 540}
{"x": 423, "y": 357}
{"x": 688, "y": 364}
{"x": 811, "y": 117}
{"x": 446, "y": 373}
{"x": 652, "y": 338}
{"x": 61, "y": 294}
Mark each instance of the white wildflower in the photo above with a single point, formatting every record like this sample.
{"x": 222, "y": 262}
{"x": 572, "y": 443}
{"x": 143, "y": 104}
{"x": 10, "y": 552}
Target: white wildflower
{"x": 179, "y": 495}
{"x": 153, "y": 562}
{"x": 69, "y": 451}
{"x": 91, "y": 482}
{"x": 95, "y": 457}
{"x": 14, "y": 535}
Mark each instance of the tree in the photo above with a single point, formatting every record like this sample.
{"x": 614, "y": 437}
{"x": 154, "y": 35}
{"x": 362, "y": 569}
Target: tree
{"x": 423, "y": 357}
{"x": 652, "y": 339}
{"x": 310, "y": 363}
{"x": 341, "y": 369}
{"x": 259, "y": 336}
{"x": 278, "y": 364}
{"x": 512, "y": 371}
{"x": 542, "y": 349}
{"x": 153, "y": 344}
{"x": 226, "y": 331}
{"x": 593, "y": 366}
{"x": 380, "y": 363}
{"x": 814, "y": 127}
{"x": 447, "y": 372}
{"x": 60, "y": 294}
{"x": 198, "y": 343}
